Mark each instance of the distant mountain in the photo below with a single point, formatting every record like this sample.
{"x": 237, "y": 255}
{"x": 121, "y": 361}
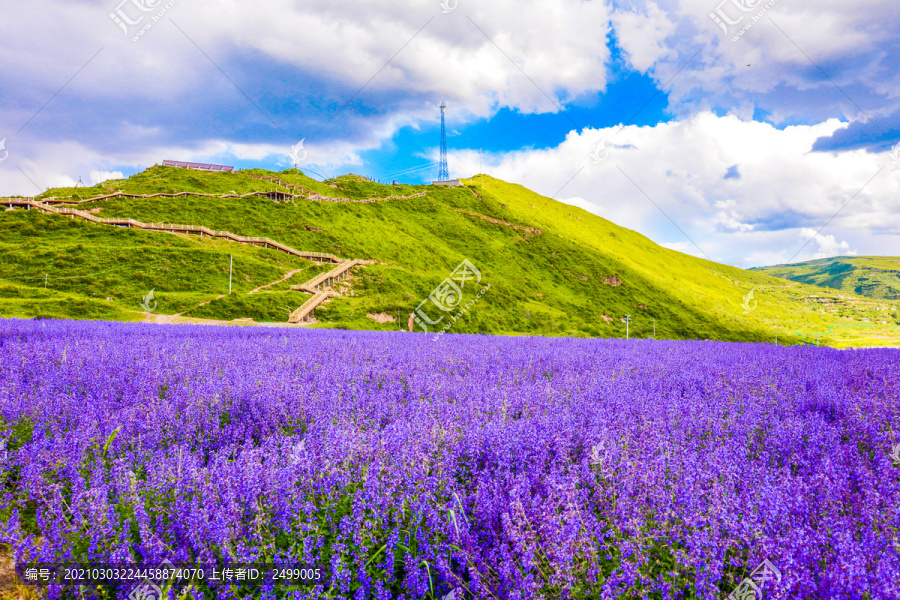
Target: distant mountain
{"x": 872, "y": 276}
{"x": 545, "y": 268}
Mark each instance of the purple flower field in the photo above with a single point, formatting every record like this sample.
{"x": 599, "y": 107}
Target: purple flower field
{"x": 473, "y": 467}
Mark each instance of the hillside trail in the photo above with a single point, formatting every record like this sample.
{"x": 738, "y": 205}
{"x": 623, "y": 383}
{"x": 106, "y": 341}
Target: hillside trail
{"x": 313, "y": 286}
{"x": 182, "y": 320}
{"x": 287, "y": 276}
{"x": 278, "y": 195}
{"x": 150, "y": 317}
{"x": 304, "y": 314}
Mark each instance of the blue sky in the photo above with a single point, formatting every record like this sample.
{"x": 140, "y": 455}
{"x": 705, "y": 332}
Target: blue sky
{"x": 509, "y": 130}
{"x": 743, "y": 145}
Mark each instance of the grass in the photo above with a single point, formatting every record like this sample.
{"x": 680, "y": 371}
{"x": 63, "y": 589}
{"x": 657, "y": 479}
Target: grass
{"x": 555, "y": 281}
{"x": 261, "y": 307}
{"x": 68, "y": 268}
{"x": 871, "y": 276}
{"x": 21, "y": 592}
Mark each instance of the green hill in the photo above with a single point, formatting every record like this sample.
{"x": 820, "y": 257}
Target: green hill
{"x": 872, "y": 276}
{"x": 552, "y": 269}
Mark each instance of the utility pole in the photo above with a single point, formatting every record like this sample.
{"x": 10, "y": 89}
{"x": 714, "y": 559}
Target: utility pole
{"x": 627, "y": 321}
{"x": 230, "y": 271}
{"x": 654, "y": 329}
{"x": 45, "y": 281}
{"x": 443, "y": 172}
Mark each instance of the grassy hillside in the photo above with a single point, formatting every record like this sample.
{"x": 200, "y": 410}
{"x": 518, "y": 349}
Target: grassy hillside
{"x": 553, "y": 269}
{"x": 58, "y": 267}
{"x": 872, "y": 276}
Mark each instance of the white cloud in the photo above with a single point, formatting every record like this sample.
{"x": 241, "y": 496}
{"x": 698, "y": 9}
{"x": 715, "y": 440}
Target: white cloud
{"x": 465, "y": 55}
{"x": 681, "y": 167}
{"x": 61, "y": 164}
{"x": 770, "y": 65}
{"x": 98, "y": 177}
{"x": 482, "y": 57}
{"x": 827, "y": 244}
{"x": 165, "y": 97}
{"x": 642, "y": 35}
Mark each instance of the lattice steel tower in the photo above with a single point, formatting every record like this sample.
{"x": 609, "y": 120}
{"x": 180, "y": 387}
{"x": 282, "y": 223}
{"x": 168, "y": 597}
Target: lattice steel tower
{"x": 443, "y": 172}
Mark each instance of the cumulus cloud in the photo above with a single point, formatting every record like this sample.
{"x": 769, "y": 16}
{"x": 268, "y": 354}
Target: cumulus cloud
{"x": 827, "y": 245}
{"x": 777, "y": 65}
{"x": 98, "y": 177}
{"x": 762, "y": 144}
{"x": 292, "y": 66}
{"x": 642, "y": 35}
{"x": 30, "y": 170}
{"x": 784, "y": 188}
{"x": 345, "y": 75}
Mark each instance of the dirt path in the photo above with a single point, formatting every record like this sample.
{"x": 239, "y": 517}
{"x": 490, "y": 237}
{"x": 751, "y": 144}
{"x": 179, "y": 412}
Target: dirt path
{"x": 285, "y": 278}
{"x": 202, "y": 304}
{"x": 7, "y": 571}
{"x": 179, "y": 320}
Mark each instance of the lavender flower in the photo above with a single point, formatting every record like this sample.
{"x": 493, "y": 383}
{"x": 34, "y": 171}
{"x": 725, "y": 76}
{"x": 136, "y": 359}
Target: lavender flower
{"x": 488, "y": 467}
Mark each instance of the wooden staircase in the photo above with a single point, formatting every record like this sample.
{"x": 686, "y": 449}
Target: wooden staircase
{"x": 320, "y": 288}
{"x": 326, "y": 279}
{"x": 255, "y": 241}
{"x": 314, "y": 286}
{"x": 305, "y": 312}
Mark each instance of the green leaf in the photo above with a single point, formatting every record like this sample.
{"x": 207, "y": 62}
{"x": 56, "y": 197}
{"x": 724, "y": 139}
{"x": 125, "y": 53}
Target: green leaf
{"x": 110, "y": 440}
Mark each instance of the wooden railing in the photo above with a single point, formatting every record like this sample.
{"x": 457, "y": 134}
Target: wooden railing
{"x": 256, "y": 241}
{"x": 312, "y": 285}
{"x": 309, "y": 306}
{"x": 281, "y": 182}
{"x": 308, "y": 195}
{"x": 301, "y": 314}
{"x": 55, "y": 200}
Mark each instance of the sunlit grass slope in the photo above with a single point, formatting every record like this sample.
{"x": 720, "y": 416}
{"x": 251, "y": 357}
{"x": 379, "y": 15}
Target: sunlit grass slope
{"x": 553, "y": 269}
